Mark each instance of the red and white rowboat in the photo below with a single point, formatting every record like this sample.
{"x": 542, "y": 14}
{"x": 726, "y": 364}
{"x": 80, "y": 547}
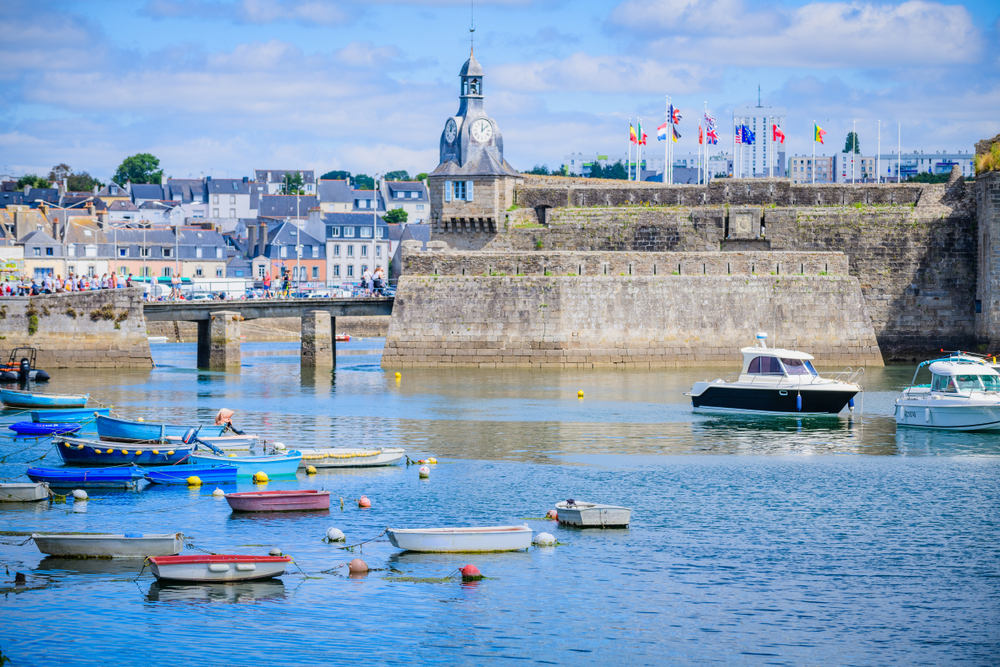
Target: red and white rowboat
{"x": 279, "y": 501}
{"x": 342, "y": 338}
{"x": 217, "y": 567}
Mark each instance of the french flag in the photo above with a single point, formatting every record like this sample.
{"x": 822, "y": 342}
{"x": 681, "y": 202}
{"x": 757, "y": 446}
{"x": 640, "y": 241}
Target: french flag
{"x": 661, "y": 132}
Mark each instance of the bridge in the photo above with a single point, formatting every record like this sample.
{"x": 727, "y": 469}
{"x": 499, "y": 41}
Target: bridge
{"x": 219, "y": 323}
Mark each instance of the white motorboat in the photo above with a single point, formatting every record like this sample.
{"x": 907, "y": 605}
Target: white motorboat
{"x": 591, "y": 515}
{"x": 779, "y": 382}
{"x": 363, "y": 457}
{"x": 462, "y": 540}
{"x": 217, "y": 567}
{"x": 24, "y": 492}
{"x": 963, "y": 395}
{"x": 109, "y": 545}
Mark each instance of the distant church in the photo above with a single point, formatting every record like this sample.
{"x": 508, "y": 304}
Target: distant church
{"x": 473, "y": 186}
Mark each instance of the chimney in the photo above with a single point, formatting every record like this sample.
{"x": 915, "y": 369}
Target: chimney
{"x": 252, "y": 239}
{"x": 263, "y": 238}
{"x": 90, "y": 208}
{"x": 163, "y": 179}
{"x": 96, "y": 189}
{"x": 55, "y": 228}
{"x": 246, "y": 179}
{"x": 64, "y": 186}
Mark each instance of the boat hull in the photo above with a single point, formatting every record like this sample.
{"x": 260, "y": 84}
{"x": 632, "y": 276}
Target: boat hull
{"x": 109, "y": 545}
{"x": 462, "y": 540}
{"x": 924, "y": 414}
{"x": 768, "y": 400}
{"x": 67, "y": 414}
{"x": 588, "y": 515}
{"x": 82, "y": 452}
{"x": 23, "y": 492}
{"x": 226, "y": 568}
{"x": 26, "y": 399}
{"x": 279, "y": 501}
{"x": 351, "y": 458}
{"x": 89, "y": 478}
{"x": 178, "y": 475}
{"x": 128, "y": 430}
{"x": 41, "y": 429}
{"x": 276, "y": 465}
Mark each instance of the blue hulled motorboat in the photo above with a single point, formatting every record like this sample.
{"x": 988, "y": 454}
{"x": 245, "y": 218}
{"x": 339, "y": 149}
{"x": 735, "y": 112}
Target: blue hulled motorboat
{"x": 80, "y": 451}
{"x": 208, "y": 474}
{"x": 68, "y": 414}
{"x": 122, "y": 477}
{"x": 33, "y": 400}
{"x": 129, "y": 430}
{"x": 38, "y": 429}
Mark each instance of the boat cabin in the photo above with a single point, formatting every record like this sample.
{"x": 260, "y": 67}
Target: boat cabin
{"x": 955, "y": 377}
{"x": 777, "y": 362}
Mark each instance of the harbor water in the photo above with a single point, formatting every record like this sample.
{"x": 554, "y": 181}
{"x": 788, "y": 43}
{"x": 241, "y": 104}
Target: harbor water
{"x": 754, "y": 541}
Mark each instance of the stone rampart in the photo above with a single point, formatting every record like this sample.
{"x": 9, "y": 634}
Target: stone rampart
{"x": 987, "y": 189}
{"x": 625, "y": 322}
{"x": 96, "y": 329}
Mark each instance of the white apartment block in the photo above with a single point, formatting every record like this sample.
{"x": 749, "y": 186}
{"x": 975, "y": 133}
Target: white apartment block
{"x": 754, "y": 160}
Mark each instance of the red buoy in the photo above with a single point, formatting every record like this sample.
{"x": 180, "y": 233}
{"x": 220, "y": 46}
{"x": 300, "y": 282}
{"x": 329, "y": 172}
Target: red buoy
{"x": 364, "y": 502}
{"x": 471, "y": 573}
{"x": 357, "y": 566}
{"x": 552, "y": 514}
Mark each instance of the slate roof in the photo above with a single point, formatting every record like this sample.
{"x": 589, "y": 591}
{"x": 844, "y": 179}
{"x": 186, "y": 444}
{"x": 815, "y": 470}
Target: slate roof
{"x": 123, "y": 205}
{"x": 38, "y": 237}
{"x": 282, "y": 236}
{"x": 11, "y": 198}
{"x": 147, "y": 191}
{"x": 471, "y": 67}
{"x": 330, "y": 190}
{"x": 284, "y": 206}
{"x": 115, "y": 190}
{"x": 229, "y": 186}
{"x": 420, "y": 233}
{"x": 158, "y": 204}
{"x": 480, "y": 163}
{"x": 186, "y": 190}
{"x": 278, "y": 175}
{"x": 367, "y": 194}
{"x": 51, "y": 195}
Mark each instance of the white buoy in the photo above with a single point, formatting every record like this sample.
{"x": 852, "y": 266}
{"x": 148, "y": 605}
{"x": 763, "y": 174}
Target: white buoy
{"x": 279, "y": 446}
{"x": 80, "y": 494}
{"x": 425, "y": 472}
{"x": 335, "y": 535}
{"x": 219, "y": 493}
{"x": 545, "y": 540}
{"x": 274, "y": 552}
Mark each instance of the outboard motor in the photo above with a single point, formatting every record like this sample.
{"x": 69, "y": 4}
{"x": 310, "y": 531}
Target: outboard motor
{"x": 24, "y": 371}
{"x": 189, "y": 436}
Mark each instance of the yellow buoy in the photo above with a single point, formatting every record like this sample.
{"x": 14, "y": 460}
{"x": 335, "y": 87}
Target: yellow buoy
{"x": 79, "y": 446}
{"x": 156, "y": 451}
{"x": 140, "y": 419}
{"x": 194, "y": 481}
{"x": 67, "y": 445}
{"x": 399, "y": 375}
{"x": 432, "y": 460}
{"x": 170, "y": 453}
{"x": 310, "y": 470}
{"x": 138, "y": 453}
{"x": 580, "y": 393}
{"x": 260, "y": 478}
{"x": 124, "y": 451}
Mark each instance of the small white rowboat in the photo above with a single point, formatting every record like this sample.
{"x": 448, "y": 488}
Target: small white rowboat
{"x": 363, "y": 457}
{"x": 24, "y": 492}
{"x": 217, "y": 567}
{"x": 458, "y": 540}
{"x": 592, "y": 515}
{"x": 109, "y": 545}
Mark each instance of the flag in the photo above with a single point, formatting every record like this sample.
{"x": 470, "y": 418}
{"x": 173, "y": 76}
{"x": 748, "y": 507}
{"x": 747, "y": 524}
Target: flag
{"x": 709, "y": 122}
{"x": 677, "y": 135}
{"x": 738, "y": 135}
{"x": 642, "y": 136}
{"x": 674, "y": 115}
{"x": 661, "y": 132}
{"x": 711, "y": 136}
{"x": 700, "y": 138}
{"x": 819, "y": 132}
{"x": 779, "y": 136}
{"x": 748, "y": 136}
{"x": 631, "y": 134}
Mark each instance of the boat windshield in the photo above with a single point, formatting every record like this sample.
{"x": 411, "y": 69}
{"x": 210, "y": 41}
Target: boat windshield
{"x": 956, "y": 383}
{"x": 765, "y": 366}
{"x": 798, "y": 367}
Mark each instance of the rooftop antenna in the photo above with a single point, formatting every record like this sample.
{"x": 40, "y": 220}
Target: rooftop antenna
{"x": 758, "y": 96}
{"x": 472, "y": 28}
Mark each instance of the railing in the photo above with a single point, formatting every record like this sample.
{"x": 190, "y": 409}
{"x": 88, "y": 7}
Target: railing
{"x": 848, "y": 375}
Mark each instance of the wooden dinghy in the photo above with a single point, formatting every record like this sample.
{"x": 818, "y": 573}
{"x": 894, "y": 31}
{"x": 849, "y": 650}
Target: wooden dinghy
{"x": 109, "y": 545}
{"x": 217, "y": 567}
{"x": 592, "y": 515}
{"x": 459, "y": 540}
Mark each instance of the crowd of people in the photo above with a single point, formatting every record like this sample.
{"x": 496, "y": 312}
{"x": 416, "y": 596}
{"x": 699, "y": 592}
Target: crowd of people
{"x": 49, "y": 284}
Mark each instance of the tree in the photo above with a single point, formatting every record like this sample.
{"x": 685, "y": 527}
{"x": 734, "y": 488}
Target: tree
{"x": 564, "y": 170}
{"x": 422, "y": 176}
{"x": 924, "y": 177}
{"x": 395, "y": 216}
{"x": 336, "y": 175}
{"x": 33, "y": 181}
{"x": 615, "y": 171}
{"x": 292, "y": 184}
{"x": 59, "y": 172}
{"x": 539, "y": 170}
{"x": 400, "y": 175}
{"x": 82, "y": 182}
{"x": 139, "y": 168}
{"x": 852, "y": 145}
{"x": 363, "y": 182}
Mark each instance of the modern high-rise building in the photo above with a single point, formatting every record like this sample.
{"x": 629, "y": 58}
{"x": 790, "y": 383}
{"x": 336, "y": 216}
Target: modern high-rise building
{"x": 754, "y": 160}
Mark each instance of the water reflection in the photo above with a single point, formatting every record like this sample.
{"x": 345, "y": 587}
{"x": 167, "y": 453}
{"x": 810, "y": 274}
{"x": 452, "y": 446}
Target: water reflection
{"x": 243, "y": 592}
{"x": 92, "y": 565}
{"x": 925, "y": 442}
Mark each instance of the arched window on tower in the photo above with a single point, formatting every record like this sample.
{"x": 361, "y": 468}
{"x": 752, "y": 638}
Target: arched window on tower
{"x": 474, "y": 87}
{"x": 465, "y": 86}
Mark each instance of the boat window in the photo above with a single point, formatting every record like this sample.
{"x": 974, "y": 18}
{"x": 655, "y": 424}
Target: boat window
{"x": 765, "y": 366}
{"x": 939, "y": 382}
{"x": 798, "y": 367}
{"x": 977, "y": 382}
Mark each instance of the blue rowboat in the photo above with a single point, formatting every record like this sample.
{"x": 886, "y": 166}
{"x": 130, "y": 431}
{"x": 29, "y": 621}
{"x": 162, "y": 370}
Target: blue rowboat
{"x": 208, "y": 474}
{"x": 273, "y": 465}
{"x": 80, "y": 451}
{"x": 67, "y": 415}
{"x": 128, "y": 430}
{"x": 125, "y": 477}
{"x": 33, "y": 428}
{"x": 13, "y": 398}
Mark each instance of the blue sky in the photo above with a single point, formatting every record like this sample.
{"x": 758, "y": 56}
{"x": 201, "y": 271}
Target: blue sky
{"x": 222, "y": 87}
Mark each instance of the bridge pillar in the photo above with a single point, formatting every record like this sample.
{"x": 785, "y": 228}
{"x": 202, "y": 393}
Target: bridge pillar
{"x": 219, "y": 340}
{"x": 318, "y": 342}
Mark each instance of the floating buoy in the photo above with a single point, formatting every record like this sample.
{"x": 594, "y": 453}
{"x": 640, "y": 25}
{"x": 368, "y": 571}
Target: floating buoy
{"x": 425, "y": 472}
{"x": 432, "y": 460}
{"x": 275, "y": 552}
{"x": 310, "y": 470}
{"x": 552, "y": 514}
{"x": 471, "y": 573}
{"x": 279, "y": 445}
{"x": 156, "y": 452}
{"x": 545, "y": 540}
{"x": 422, "y": 461}
{"x": 579, "y": 394}
{"x": 364, "y": 502}
{"x": 357, "y": 566}
{"x": 140, "y": 419}
{"x": 219, "y": 493}
{"x": 80, "y": 494}
{"x": 335, "y": 535}
{"x": 194, "y": 480}
{"x": 399, "y": 375}
{"x": 260, "y": 478}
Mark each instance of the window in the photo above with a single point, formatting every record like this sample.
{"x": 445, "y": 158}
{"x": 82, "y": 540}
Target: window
{"x": 349, "y": 232}
{"x": 218, "y": 272}
{"x": 366, "y": 232}
{"x": 364, "y": 251}
{"x": 232, "y": 213}
{"x": 91, "y": 272}
{"x": 378, "y": 251}
{"x": 350, "y": 270}
{"x": 215, "y": 200}
{"x": 198, "y": 271}
{"x": 70, "y": 249}
{"x": 146, "y": 271}
{"x": 122, "y": 270}
{"x": 167, "y": 271}
{"x": 798, "y": 367}
{"x": 350, "y": 250}
{"x": 420, "y": 207}
{"x": 381, "y": 232}
{"x": 260, "y": 271}
{"x": 37, "y": 252}
{"x": 218, "y": 253}
{"x": 364, "y": 267}
{"x": 167, "y": 251}
{"x": 48, "y": 252}
{"x": 315, "y": 272}
{"x": 336, "y": 270}
{"x": 765, "y": 366}
{"x": 123, "y": 252}
{"x": 143, "y": 252}
{"x": 315, "y": 252}
{"x": 238, "y": 272}
{"x": 459, "y": 189}
{"x": 332, "y": 232}
{"x": 336, "y": 250}
{"x": 215, "y": 213}
{"x": 232, "y": 198}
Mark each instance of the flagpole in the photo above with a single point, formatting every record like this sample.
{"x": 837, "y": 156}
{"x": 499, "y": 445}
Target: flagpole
{"x": 878, "y": 155}
{"x": 854, "y": 149}
{"x": 638, "y": 152}
{"x": 628, "y": 163}
{"x": 666, "y": 148}
{"x": 813, "y": 170}
{"x": 899, "y": 156}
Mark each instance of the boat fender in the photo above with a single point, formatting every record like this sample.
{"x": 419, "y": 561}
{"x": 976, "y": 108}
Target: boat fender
{"x": 218, "y": 567}
{"x": 425, "y": 472}
{"x": 927, "y": 414}
{"x": 138, "y": 452}
{"x": 79, "y": 494}
{"x": 399, "y": 376}
{"x": 850, "y": 404}
{"x": 364, "y": 502}
{"x": 68, "y": 446}
{"x": 250, "y": 567}
{"x": 194, "y": 480}
{"x": 335, "y": 535}
{"x": 140, "y": 419}
{"x": 156, "y": 452}
{"x": 124, "y": 451}
{"x": 552, "y": 514}
{"x": 310, "y": 470}
{"x": 357, "y": 566}
{"x": 471, "y": 573}
{"x": 219, "y": 493}
{"x": 798, "y": 402}
{"x": 170, "y": 452}
{"x": 275, "y": 552}
{"x": 79, "y": 446}
{"x": 545, "y": 540}
{"x": 260, "y": 477}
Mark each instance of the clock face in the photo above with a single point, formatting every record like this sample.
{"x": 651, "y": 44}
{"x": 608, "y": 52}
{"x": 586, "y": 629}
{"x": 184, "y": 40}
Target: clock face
{"x": 450, "y": 130}
{"x": 482, "y": 130}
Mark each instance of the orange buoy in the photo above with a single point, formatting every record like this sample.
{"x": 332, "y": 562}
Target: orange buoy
{"x": 364, "y": 502}
{"x": 552, "y": 514}
{"x": 357, "y": 566}
{"x": 471, "y": 573}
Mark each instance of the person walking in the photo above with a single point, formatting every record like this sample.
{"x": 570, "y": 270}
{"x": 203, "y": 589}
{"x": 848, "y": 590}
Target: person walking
{"x": 128, "y": 281}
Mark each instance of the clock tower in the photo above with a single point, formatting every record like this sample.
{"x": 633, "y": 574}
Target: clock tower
{"x": 473, "y": 185}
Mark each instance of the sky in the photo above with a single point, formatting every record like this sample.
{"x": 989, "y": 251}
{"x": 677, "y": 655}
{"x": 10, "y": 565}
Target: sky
{"x": 223, "y": 87}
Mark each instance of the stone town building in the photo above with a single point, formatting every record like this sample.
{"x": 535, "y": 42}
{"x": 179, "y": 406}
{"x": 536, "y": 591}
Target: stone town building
{"x": 473, "y": 185}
